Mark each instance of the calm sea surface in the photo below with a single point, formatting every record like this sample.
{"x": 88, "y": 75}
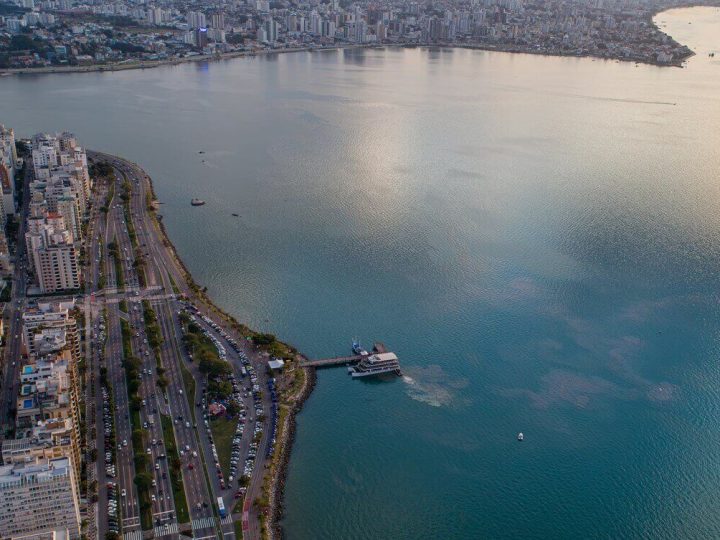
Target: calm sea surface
{"x": 537, "y": 238}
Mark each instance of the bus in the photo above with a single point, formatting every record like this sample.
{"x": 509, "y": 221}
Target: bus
{"x": 221, "y": 507}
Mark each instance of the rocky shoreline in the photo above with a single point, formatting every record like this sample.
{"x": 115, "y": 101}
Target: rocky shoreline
{"x": 277, "y": 492}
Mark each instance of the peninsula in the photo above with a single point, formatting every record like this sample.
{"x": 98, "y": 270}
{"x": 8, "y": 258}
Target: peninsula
{"x": 170, "y": 416}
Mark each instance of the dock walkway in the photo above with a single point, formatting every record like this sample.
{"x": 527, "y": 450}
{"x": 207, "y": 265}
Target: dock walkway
{"x": 341, "y": 360}
{"x": 336, "y": 361}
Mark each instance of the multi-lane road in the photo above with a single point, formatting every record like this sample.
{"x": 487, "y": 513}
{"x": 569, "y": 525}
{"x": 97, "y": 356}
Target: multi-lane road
{"x": 11, "y": 367}
{"x": 161, "y": 274}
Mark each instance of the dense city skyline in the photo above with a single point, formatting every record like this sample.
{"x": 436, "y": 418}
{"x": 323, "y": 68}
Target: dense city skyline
{"x": 69, "y": 33}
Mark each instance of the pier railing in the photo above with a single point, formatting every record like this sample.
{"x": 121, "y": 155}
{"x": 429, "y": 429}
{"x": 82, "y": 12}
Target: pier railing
{"x": 341, "y": 360}
{"x": 336, "y": 361}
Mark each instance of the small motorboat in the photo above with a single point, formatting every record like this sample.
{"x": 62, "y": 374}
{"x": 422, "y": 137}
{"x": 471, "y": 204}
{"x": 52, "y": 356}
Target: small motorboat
{"x": 520, "y": 436}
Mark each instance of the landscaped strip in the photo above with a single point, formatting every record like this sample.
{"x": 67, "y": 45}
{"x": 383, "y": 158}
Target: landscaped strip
{"x": 115, "y": 254}
{"x": 223, "y": 431}
{"x": 143, "y": 474}
{"x": 139, "y": 263}
{"x": 154, "y": 337}
{"x": 176, "y": 480}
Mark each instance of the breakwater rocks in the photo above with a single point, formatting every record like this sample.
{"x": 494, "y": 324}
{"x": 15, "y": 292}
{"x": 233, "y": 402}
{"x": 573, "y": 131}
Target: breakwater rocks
{"x": 289, "y": 439}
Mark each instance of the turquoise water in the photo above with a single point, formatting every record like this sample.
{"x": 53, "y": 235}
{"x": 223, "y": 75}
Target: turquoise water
{"x": 537, "y": 238}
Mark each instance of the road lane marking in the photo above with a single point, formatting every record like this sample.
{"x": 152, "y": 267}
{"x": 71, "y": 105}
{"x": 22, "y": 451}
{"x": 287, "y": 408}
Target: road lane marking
{"x": 203, "y": 523}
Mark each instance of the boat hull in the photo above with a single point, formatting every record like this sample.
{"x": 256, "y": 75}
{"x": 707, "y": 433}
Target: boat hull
{"x": 354, "y": 373}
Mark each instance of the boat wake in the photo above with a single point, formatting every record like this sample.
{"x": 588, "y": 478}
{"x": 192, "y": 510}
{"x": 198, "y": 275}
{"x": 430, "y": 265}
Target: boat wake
{"x": 431, "y": 385}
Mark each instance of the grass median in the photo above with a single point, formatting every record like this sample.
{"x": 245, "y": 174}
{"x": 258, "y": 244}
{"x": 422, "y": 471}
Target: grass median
{"x": 223, "y": 431}
{"x": 143, "y": 472}
{"x": 114, "y": 252}
{"x": 176, "y": 481}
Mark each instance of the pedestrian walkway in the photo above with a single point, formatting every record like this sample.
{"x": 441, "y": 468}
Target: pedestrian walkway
{"x": 168, "y": 528}
{"x": 133, "y": 535}
{"x": 133, "y": 521}
{"x": 203, "y": 523}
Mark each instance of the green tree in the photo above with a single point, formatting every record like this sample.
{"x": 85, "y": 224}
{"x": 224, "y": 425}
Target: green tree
{"x": 143, "y": 480}
{"x": 21, "y": 42}
{"x": 264, "y": 339}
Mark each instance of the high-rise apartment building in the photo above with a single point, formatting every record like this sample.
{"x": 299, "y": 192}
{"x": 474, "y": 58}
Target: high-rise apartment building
{"x": 196, "y": 19}
{"x": 218, "y": 21}
{"x": 8, "y": 169}
{"x": 39, "y": 496}
{"x": 52, "y": 314}
{"x": 58, "y": 201}
{"x": 49, "y": 439}
{"x": 53, "y": 253}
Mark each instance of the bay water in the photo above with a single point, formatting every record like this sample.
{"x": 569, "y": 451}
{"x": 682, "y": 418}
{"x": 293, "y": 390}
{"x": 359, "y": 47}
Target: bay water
{"x": 537, "y": 238}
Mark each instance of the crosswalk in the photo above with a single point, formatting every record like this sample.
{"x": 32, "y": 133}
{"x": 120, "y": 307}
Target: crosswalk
{"x": 133, "y": 535}
{"x": 203, "y": 523}
{"x": 163, "y": 530}
{"x": 227, "y": 520}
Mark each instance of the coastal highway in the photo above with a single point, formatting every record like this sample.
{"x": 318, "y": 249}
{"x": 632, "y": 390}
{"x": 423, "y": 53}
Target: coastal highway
{"x": 163, "y": 508}
{"x": 163, "y": 270}
{"x": 172, "y": 402}
{"x": 199, "y": 498}
{"x": 94, "y": 350}
{"x": 105, "y": 229}
{"x": 125, "y": 467}
{"x": 165, "y": 267}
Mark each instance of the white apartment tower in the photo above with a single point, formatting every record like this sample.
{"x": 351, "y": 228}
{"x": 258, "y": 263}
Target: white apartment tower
{"x": 8, "y": 169}
{"x": 39, "y": 497}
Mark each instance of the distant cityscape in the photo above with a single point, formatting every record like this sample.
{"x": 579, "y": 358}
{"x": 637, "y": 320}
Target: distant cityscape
{"x": 93, "y": 34}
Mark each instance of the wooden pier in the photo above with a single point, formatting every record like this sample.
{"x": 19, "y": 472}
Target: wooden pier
{"x": 341, "y": 360}
{"x": 336, "y": 361}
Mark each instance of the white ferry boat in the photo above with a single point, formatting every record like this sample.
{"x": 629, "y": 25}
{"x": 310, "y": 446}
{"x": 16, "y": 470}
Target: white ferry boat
{"x": 376, "y": 364}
